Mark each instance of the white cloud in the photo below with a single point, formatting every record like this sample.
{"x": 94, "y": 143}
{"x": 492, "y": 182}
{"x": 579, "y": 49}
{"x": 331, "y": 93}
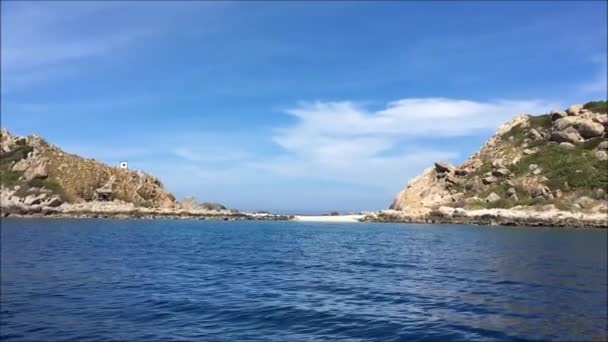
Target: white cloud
{"x": 347, "y": 142}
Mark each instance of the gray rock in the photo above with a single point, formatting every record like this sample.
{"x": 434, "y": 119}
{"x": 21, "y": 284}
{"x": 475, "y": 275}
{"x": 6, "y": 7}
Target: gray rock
{"x": 36, "y": 171}
{"x": 529, "y": 151}
{"x": 532, "y": 167}
{"x": 489, "y": 180}
{"x": 601, "y": 118}
{"x": 502, "y": 172}
{"x": 574, "y": 109}
{"x": 584, "y": 202}
{"x": 566, "y": 145}
{"x": 541, "y": 191}
{"x": 443, "y": 167}
{"x": 34, "y": 199}
{"x": 558, "y": 114}
{"x": 537, "y": 171}
{"x": 603, "y": 145}
{"x": 601, "y": 155}
{"x": 536, "y": 135}
{"x": 461, "y": 172}
{"x": 492, "y": 198}
{"x": 569, "y": 137}
{"x": 587, "y": 128}
{"x": 511, "y": 191}
{"x": 54, "y": 202}
{"x": 497, "y": 164}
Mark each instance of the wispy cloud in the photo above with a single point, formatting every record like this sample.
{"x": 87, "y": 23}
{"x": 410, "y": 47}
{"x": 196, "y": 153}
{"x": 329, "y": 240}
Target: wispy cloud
{"x": 346, "y": 141}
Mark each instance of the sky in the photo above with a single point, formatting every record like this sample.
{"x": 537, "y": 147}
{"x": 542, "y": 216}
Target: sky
{"x": 291, "y": 106}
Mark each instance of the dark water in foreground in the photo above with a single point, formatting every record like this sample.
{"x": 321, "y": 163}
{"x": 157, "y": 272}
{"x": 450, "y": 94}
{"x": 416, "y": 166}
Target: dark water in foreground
{"x": 287, "y": 281}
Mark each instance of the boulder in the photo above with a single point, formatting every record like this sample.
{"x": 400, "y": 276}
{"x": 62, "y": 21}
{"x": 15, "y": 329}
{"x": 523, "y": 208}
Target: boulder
{"x": 558, "y": 114}
{"x": 574, "y": 109}
{"x": 493, "y": 197}
{"x": 529, "y": 151}
{"x": 600, "y": 194}
{"x": 54, "y": 202}
{"x": 570, "y": 137}
{"x": 541, "y": 191}
{"x": 489, "y": 180}
{"x": 21, "y": 165}
{"x": 587, "y": 128}
{"x": 603, "y": 145}
{"x": 601, "y": 155}
{"x": 34, "y": 199}
{"x": 442, "y": 167}
{"x": 601, "y": 119}
{"x": 566, "y": 145}
{"x": 511, "y": 191}
{"x": 36, "y": 171}
{"x": 584, "y": 202}
{"x": 502, "y": 172}
{"x": 532, "y": 167}
{"x": 461, "y": 172}
{"x": 497, "y": 164}
{"x": 535, "y": 134}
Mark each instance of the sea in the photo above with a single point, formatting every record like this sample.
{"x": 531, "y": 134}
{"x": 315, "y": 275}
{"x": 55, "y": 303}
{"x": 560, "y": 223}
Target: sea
{"x": 189, "y": 280}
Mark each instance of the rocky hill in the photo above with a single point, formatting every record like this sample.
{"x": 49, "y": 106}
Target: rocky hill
{"x": 31, "y": 167}
{"x": 556, "y": 163}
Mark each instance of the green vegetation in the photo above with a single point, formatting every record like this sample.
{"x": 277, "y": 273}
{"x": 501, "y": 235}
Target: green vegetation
{"x": 597, "y": 106}
{"x": 10, "y": 178}
{"x": 7, "y": 158}
{"x": 567, "y": 168}
{"x": 519, "y": 133}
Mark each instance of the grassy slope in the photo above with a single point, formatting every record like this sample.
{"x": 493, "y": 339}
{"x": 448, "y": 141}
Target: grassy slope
{"x": 573, "y": 171}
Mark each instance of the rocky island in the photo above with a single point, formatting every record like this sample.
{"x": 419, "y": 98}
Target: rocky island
{"x": 39, "y": 179}
{"x": 547, "y": 170}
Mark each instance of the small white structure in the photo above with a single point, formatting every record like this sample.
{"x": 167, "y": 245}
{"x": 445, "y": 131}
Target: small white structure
{"x": 123, "y": 165}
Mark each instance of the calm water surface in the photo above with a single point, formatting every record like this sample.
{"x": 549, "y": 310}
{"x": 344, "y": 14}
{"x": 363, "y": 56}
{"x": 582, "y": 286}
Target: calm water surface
{"x": 104, "y": 280}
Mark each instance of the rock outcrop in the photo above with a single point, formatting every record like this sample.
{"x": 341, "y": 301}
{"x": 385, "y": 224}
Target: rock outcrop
{"x": 530, "y": 163}
{"x": 37, "y": 178}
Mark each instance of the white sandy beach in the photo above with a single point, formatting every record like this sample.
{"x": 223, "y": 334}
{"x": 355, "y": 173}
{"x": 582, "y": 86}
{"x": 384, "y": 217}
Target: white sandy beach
{"x": 329, "y": 218}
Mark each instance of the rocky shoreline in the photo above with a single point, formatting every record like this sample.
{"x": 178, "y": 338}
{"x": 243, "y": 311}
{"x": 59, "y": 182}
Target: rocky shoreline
{"x": 44, "y": 206}
{"x": 139, "y": 213}
{"x": 494, "y": 217}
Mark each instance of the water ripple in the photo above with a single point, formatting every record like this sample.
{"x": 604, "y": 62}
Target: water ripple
{"x": 106, "y": 280}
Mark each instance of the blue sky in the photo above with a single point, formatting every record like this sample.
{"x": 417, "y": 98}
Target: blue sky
{"x": 291, "y": 106}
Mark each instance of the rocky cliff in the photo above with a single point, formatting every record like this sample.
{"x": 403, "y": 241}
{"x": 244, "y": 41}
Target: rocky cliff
{"x": 553, "y": 162}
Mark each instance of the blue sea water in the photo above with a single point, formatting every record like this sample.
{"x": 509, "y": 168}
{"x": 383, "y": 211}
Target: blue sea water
{"x": 140, "y": 280}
